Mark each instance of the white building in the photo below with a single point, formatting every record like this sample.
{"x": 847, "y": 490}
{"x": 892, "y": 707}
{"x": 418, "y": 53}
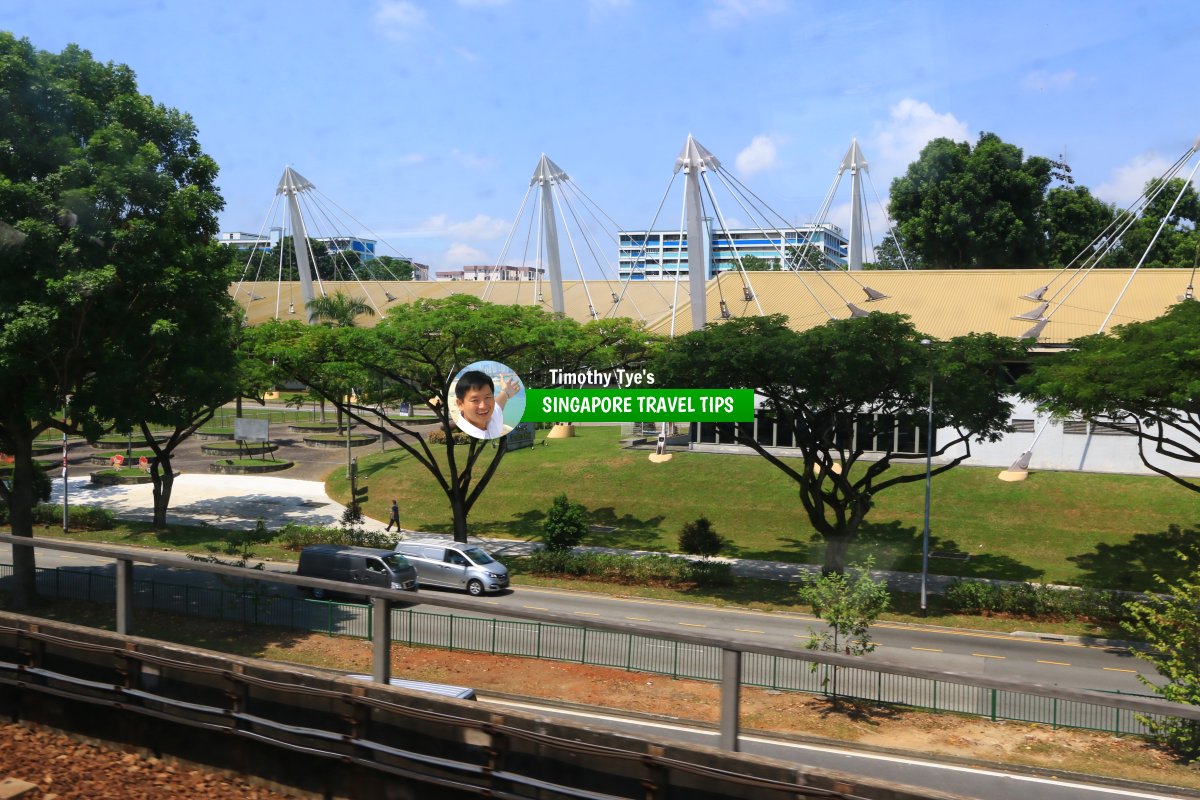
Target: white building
{"x": 490, "y": 273}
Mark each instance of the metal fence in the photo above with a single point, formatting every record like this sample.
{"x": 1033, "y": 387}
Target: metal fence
{"x": 252, "y": 603}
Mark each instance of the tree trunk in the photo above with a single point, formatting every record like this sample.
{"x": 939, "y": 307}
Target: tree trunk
{"x": 339, "y": 419}
{"x": 163, "y": 478}
{"x": 322, "y": 409}
{"x": 836, "y": 548}
{"x": 20, "y": 512}
{"x": 237, "y": 404}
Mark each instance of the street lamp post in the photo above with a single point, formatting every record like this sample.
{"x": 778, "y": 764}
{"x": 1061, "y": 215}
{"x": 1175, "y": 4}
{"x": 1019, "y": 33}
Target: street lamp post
{"x": 66, "y": 417}
{"x": 928, "y": 486}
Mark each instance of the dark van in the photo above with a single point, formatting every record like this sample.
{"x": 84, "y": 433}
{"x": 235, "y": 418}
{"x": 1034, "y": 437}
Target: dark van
{"x": 364, "y": 566}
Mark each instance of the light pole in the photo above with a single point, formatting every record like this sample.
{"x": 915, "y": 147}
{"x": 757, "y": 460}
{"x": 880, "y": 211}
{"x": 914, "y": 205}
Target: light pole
{"x": 66, "y": 417}
{"x": 928, "y": 484}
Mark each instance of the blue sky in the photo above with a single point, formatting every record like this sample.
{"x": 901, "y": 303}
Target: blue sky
{"x": 424, "y": 119}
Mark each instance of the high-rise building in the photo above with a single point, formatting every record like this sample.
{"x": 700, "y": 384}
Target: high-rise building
{"x": 650, "y": 255}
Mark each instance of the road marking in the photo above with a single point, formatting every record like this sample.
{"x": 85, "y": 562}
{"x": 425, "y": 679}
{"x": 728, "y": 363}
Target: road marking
{"x": 1114, "y": 669}
{"x": 586, "y": 614}
{"x": 638, "y": 619}
{"x": 985, "y": 655}
{"x": 536, "y": 608}
{"x": 928, "y": 649}
{"x": 1055, "y": 663}
{"x": 693, "y": 625}
{"x": 747, "y": 630}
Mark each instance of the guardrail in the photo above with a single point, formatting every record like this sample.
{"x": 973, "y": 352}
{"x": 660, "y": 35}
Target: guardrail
{"x": 612, "y": 643}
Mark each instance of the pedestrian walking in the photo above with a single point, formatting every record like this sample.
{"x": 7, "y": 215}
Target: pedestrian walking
{"x": 394, "y": 519}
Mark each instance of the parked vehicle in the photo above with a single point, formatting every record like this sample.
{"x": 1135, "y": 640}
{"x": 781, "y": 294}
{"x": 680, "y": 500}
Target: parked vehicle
{"x": 364, "y": 566}
{"x": 456, "y": 566}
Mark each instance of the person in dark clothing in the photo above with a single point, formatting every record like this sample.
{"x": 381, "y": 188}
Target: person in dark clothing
{"x": 395, "y": 517}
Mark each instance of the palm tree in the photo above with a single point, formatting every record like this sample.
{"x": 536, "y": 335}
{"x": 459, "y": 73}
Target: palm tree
{"x": 337, "y": 309}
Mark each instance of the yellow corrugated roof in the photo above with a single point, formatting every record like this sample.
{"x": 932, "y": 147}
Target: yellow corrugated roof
{"x": 942, "y": 303}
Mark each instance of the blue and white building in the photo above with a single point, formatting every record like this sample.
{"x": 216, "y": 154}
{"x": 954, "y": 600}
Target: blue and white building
{"x": 657, "y": 255}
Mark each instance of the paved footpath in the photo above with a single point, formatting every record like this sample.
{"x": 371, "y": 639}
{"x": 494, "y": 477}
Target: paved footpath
{"x": 239, "y": 501}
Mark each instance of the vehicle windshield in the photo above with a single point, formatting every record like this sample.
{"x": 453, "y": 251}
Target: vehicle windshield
{"x": 478, "y": 556}
{"x": 396, "y": 562}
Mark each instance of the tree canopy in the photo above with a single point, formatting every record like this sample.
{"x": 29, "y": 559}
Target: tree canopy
{"x": 1145, "y": 373}
{"x": 959, "y": 206}
{"x": 108, "y": 207}
{"x": 841, "y": 388}
{"x": 412, "y": 355}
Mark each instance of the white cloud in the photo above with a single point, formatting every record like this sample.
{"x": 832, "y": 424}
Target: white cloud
{"x": 481, "y": 227}
{"x": 1040, "y": 81}
{"x": 731, "y": 12}
{"x": 462, "y": 255}
{"x": 398, "y": 19}
{"x": 1128, "y": 180}
{"x": 758, "y": 156}
{"x": 911, "y": 125}
{"x": 470, "y": 160}
{"x": 466, "y": 55}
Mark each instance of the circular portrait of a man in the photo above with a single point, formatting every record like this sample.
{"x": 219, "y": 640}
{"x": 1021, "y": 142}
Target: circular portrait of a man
{"x": 488, "y": 399}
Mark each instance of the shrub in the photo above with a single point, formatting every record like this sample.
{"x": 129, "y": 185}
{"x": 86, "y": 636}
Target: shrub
{"x": 660, "y": 570}
{"x": 1035, "y": 600}
{"x": 700, "y": 538}
{"x": 566, "y": 525}
{"x": 439, "y": 437}
{"x": 82, "y": 517}
{"x": 297, "y": 537}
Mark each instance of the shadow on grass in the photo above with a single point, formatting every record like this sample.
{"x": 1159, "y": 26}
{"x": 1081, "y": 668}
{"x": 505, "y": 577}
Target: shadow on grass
{"x": 1132, "y": 565}
{"x": 898, "y": 547}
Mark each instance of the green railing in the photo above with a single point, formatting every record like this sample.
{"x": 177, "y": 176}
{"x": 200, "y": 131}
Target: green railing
{"x": 255, "y": 605}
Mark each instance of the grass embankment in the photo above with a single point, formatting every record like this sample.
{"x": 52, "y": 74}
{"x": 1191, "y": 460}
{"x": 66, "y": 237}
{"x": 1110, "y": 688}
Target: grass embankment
{"x": 1108, "y": 531}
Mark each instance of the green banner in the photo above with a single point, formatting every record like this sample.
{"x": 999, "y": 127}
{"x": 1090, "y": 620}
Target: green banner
{"x": 639, "y": 405}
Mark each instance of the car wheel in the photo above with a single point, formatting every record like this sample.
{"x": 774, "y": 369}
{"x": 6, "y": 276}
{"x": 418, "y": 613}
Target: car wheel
{"x": 474, "y": 588}
{"x": 318, "y": 594}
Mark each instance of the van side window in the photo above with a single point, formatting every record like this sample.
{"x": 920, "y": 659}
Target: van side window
{"x": 455, "y": 558}
{"x": 375, "y": 565}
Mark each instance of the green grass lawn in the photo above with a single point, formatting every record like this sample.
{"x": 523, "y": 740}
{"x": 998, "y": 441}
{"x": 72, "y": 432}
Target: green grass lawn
{"x": 1112, "y": 531}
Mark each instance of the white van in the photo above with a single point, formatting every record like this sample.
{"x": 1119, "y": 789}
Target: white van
{"x": 456, "y": 566}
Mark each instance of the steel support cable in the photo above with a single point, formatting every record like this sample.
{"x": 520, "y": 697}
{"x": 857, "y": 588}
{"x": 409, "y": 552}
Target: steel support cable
{"x": 537, "y": 267}
{"x": 746, "y": 285}
{"x": 645, "y": 239}
{"x": 1150, "y": 246}
{"x": 377, "y": 237}
{"x": 662, "y": 249}
{"x": 583, "y": 234}
{"x": 525, "y": 252}
{"x": 335, "y": 225}
{"x": 604, "y": 265}
{"x": 312, "y": 257}
{"x": 890, "y": 227}
{"x": 1120, "y": 224}
{"x": 807, "y": 241}
{"x": 254, "y": 249}
{"x": 592, "y": 246}
{"x": 512, "y": 230}
{"x": 556, "y": 199}
{"x": 1081, "y": 273}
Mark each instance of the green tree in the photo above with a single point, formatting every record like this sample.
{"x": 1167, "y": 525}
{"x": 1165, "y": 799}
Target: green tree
{"x": 1145, "y": 373}
{"x": 1178, "y": 244}
{"x": 698, "y": 537}
{"x": 338, "y": 309}
{"x": 806, "y": 257}
{"x": 959, "y": 207}
{"x": 1074, "y": 219}
{"x": 757, "y": 264}
{"x": 389, "y": 268}
{"x": 565, "y": 526}
{"x": 888, "y": 256}
{"x": 1169, "y": 622}
{"x": 848, "y": 603}
{"x": 109, "y": 209}
{"x": 412, "y": 355}
{"x": 845, "y": 388}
